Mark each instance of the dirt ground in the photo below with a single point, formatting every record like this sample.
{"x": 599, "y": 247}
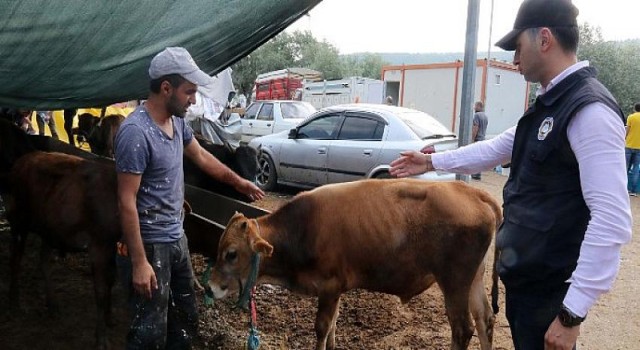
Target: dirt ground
{"x": 285, "y": 321}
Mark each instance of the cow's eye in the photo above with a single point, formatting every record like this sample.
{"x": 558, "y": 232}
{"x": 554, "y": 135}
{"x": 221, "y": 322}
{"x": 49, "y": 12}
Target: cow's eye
{"x": 231, "y": 256}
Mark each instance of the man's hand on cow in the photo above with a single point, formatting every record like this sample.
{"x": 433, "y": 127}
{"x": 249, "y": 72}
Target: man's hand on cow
{"x": 250, "y": 189}
{"x": 144, "y": 279}
{"x": 559, "y": 337}
{"x": 411, "y": 163}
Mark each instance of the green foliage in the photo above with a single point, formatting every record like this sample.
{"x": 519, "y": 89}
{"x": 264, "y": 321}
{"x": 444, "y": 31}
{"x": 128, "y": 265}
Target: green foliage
{"x": 301, "y": 49}
{"x": 366, "y": 65}
{"x": 617, "y": 63}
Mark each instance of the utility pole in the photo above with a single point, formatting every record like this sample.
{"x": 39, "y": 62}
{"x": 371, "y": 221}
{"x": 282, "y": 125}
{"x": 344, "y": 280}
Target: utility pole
{"x": 469, "y": 77}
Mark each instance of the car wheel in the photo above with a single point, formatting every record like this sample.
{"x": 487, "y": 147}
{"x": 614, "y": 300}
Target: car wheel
{"x": 383, "y": 175}
{"x": 267, "y": 178}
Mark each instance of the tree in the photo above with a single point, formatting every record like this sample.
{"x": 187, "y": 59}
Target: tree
{"x": 368, "y": 65}
{"x": 617, "y": 64}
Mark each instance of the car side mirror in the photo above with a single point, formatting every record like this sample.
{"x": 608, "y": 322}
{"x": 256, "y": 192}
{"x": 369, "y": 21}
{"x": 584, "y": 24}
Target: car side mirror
{"x": 293, "y": 133}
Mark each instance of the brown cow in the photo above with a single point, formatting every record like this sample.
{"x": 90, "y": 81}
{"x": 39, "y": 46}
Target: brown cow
{"x": 392, "y": 236}
{"x": 71, "y": 204}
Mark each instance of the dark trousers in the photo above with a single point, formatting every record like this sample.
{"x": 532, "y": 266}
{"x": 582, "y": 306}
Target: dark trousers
{"x": 169, "y": 320}
{"x": 69, "y": 114}
{"x": 530, "y": 315}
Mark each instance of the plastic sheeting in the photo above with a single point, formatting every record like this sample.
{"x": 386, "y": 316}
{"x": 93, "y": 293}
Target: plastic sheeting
{"x": 58, "y": 54}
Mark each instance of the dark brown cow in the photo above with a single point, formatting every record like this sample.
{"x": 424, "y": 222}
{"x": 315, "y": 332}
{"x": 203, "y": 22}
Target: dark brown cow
{"x": 392, "y": 236}
{"x": 99, "y": 133}
{"x": 70, "y": 202}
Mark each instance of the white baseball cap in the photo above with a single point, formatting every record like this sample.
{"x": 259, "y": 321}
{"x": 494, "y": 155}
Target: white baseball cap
{"x": 177, "y": 60}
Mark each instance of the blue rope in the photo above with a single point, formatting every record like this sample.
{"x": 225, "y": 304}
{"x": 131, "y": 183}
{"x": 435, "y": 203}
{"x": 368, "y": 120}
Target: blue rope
{"x": 208, "y": 299}
{"x": 253, "y": 342}
{"x": 245, "y": 296}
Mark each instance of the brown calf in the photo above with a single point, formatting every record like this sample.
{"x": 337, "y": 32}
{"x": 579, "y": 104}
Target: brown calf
{"x": 71, "y": 204}
{"x": 392, "y": 236}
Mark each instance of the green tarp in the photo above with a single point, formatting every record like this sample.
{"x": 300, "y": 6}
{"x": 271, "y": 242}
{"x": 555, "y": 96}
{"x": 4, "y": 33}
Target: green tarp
{"x": 56, "y": 54}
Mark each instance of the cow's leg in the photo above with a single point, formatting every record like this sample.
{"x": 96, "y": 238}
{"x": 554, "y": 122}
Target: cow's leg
{"x": 456, "y": 299}
{"x": 103, "y": 267}
{"x": 481, "y": 310}
{"x": 331, "y": 339}
{"x": 325, "y": 320}
{"x": 45, "y": 267}
{"x": 18, "y": 241}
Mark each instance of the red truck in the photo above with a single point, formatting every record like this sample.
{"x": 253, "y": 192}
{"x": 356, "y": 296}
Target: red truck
{"x": 284, "y": 84}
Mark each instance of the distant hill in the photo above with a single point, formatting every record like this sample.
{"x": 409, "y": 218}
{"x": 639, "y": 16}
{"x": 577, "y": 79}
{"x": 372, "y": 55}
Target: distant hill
{"x": 425, "y": 58}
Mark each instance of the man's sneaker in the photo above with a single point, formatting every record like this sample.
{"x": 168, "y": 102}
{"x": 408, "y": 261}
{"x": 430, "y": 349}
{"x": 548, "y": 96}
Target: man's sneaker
{"x": 633, "y": 194}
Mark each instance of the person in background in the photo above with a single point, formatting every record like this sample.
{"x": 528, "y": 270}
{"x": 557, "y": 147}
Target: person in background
{"x": 632, "y": 150}
{"x": 149, "y": 149}
{"x": 479, "y": 129}
{"x": 389, "y": 101}
{"x": 23, "y": 120}
{"x": 565, "y": 220}
{"x": 69, "y": 114}
{"x": 46, "y": 117}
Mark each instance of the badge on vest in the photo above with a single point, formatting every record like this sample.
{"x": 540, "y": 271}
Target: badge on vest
{"x": 545, "y": 128}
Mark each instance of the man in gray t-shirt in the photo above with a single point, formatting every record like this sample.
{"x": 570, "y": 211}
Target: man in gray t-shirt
{"x": 479, "y": 130}
{"x": 149, "y": 149}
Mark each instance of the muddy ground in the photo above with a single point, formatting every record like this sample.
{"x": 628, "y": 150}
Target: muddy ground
{"x": 285, "y": 321}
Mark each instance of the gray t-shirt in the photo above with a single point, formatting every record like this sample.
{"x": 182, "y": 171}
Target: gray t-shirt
{"x": 480, "y": 119}
{"x": 141, "y": 147}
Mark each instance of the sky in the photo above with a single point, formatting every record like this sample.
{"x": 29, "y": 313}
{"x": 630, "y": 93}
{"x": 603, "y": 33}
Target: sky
{"x": 422, "y": 26}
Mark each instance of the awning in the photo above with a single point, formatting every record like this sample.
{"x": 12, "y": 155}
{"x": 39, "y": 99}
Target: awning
{"x": 58, "y": 54}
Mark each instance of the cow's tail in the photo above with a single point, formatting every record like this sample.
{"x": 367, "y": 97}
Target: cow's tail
{"x": 494, "y": 278}
{"x": 497, "y": 211}
{"x": 496, "y": 256}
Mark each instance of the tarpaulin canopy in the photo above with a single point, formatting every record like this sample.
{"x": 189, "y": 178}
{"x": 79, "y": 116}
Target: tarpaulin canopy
{"x": 58, "y": 54}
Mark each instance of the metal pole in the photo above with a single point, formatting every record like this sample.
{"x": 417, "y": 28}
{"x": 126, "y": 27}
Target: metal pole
{"x": 469, "y": 77}
{"x": 489, "y": 54}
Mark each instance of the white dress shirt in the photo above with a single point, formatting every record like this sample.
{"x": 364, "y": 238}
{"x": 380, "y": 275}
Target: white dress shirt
{"x": 597, "y": 137}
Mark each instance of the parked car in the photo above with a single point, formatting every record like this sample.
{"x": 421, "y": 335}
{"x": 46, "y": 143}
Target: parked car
{"x": 348, "y": 142}
{"x": 272, "y": 116}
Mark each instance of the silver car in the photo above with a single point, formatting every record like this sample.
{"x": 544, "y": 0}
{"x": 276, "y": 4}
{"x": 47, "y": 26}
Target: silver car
{"x": 346, "y": 143}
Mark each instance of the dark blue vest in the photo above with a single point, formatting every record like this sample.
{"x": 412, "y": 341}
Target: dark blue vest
{"x": 545, "y": 216}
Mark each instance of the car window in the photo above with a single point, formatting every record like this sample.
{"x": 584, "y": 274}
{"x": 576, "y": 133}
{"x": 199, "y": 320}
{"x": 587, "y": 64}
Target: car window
{"x": 424, "y": 125}
{"x": 321, "y": 128}
{"x": 266, "y": 112}
{"x": 296, "y": 110}
{"x": 357, "y": 128}
{"x": 252, "y": 111}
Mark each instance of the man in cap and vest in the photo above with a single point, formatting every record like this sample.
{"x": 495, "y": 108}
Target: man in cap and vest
{"x": 565, "y": 220}
{"x": 149, "y": 147}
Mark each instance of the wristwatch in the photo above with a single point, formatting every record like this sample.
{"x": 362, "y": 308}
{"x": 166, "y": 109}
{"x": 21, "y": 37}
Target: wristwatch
{"x": 568, "y": 318}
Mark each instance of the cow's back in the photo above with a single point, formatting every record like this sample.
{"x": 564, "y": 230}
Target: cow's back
{"x": 63, "y": 197}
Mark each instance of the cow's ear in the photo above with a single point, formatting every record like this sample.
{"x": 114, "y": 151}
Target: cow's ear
{"x": 258, "y": 244}
{"x": 261, "y": 246}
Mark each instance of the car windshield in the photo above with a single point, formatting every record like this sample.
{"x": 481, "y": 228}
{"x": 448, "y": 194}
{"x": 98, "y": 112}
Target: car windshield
{"x": 424, "y": 125}
{"x": 296, "y": 110}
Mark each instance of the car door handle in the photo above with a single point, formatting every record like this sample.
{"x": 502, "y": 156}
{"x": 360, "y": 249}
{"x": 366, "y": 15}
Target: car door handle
{"x": 269, "y": 124}
{"x": 322, "y": 150}
{"x": 367, "y": 152}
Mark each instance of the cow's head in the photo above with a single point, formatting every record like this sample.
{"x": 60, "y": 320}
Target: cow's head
{"x": 240, "y": 240}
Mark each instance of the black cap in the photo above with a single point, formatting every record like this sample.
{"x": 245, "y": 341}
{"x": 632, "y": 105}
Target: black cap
{"x": 540, "y": 13}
